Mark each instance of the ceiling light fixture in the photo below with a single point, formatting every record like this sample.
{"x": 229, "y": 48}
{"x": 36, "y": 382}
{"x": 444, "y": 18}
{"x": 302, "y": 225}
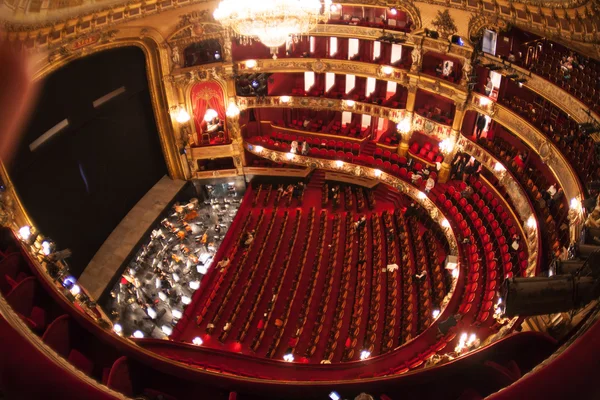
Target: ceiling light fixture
{"x": 271, "y": 22}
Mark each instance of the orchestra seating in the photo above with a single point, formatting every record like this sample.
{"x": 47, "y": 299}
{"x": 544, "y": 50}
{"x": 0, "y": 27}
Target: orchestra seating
{"x": 330, "y": 268}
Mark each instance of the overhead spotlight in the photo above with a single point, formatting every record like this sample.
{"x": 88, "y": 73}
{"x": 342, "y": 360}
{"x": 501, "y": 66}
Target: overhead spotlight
{"x": 334, "y": 396}
{"x": 432, "y": 34}
{"x": 138, "y": 334}
{"x": 436, "y": 313}
{"x": 365, "y": 354}
{"x": 289, "y": 357}
{"x": 255, "y": 84}
{"x": 457, "y": 40}
{"x": 393, "y": 11}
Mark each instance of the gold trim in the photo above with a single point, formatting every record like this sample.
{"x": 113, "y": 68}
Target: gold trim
{"x": 322, "y": 103}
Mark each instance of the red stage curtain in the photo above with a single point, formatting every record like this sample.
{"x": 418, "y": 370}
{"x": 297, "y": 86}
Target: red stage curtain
{"x": 207, "y": 95}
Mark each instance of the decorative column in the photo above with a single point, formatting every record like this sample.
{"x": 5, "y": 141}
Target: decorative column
{"x": 233, "y": 126}
{"x": 575, "y": 216}
{"x": 417, "y": 59}
{"x": 449, "y": 146}
{"x": 405, "y": 126}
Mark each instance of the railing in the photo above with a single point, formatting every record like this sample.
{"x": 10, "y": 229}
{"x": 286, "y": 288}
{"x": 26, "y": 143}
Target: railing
{"x": 322, "y": 135}
{"x": 322, "y": 103}
{"x": 430, "y": 127}
{"x": 518, "y": 197}
{"x": 364, "y": 69}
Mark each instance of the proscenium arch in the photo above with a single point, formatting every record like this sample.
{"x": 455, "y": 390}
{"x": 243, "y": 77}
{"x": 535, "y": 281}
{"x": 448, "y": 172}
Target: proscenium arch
{"x": 160, "y": 105}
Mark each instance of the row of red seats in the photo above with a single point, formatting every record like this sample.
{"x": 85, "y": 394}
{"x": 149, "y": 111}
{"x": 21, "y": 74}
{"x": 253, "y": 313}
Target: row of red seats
{"x": 281, "y": 322}
{"x": 377, "y": 264}
{"x": 239, "y": 304}
{"x": 310, "y": 290}
{"x": 334, "y": 333}
{"x": 311, "y": 347}
{"x": 424, "y": 284}
{"x": 393, "y": 296}
{"x": 409, "y": 291}
{"x": 240, "y": 260}
{"x": 273, "y": 253}
{"x": 426, "y": 152}
{"x": 264, "y": 322}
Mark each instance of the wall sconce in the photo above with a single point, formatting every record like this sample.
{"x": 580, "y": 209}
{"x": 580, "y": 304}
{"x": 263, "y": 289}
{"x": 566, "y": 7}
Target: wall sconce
{"x": 250, "y": 64}
{"x": 531, "y": 222}
{"x": 181, "y": 115}
{"x": 258, "y": 149}
{"x": 210, "y": 115}
{"x": 25, "y": 233}
{"x": 445, "y": 223}
{"x": 446, "y": 146}
{"x": 339, "y": 163}
{"x": 349, "y": 103}
{"x": 404, "y": 126}
{"x": 386, "y": 70}
{"x": 575, "y": 204}
{"x": 377, "y": 173}
{"x": 285, "y": 99}
{"x": 499, "y": 168}
{"x": 232, "y": 110}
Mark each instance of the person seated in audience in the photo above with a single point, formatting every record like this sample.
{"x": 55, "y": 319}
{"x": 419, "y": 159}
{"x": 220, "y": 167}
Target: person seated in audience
{"x": 294, "y": 147}
{"x": 593, "y": 224}
{"x": 305, "y": 149}
{"x": 416, "y": 178}
{"x": 223, "y": 264}
{"x": 489, "y": 87}
{"x": 289, "y": 190}
{"x": 422, "y": 275}
{"x": 439, "y": 69}
{"x": 249, "y": 239}
{"x": 467, "y": 192}
{"x": 511, "y": 57}
{"x": 515, "y": 245}
{"x": 520, "y": 160}
{"x": 361, "y": 221}
{"x": 411, "y": 211}
{"x": 429, "y": 184}
{"x": 306, "y": 123}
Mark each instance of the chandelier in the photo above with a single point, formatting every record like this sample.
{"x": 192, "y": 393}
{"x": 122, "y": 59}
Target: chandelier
{"x": 271, "y": 22}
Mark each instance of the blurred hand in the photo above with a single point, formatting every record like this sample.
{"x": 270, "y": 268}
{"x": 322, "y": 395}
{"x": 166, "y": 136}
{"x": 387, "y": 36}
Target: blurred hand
{"x": 17, "y": 96}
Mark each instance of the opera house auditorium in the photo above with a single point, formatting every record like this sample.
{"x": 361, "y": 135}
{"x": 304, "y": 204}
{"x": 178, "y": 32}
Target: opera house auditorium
{"x": 300, "y": 199}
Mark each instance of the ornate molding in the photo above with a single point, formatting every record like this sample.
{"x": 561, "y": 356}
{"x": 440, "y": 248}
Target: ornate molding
{"x": 363, "y": 69}
{"x": 321, "y": 103}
